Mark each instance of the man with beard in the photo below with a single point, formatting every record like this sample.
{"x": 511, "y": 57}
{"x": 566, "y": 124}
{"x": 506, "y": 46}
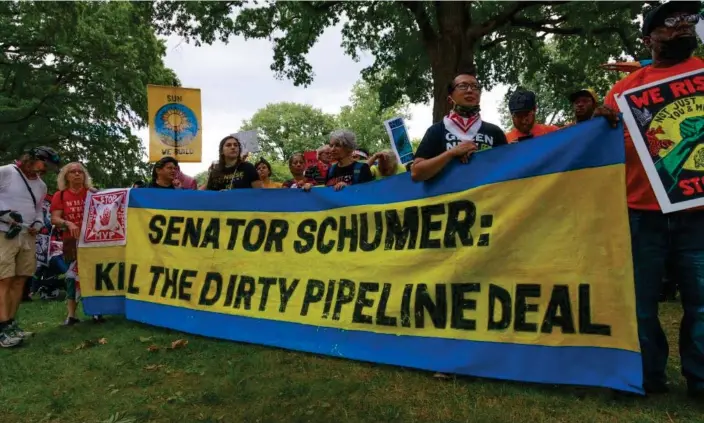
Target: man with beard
{"x": 459, "y": 134}
{"x": 584, "y": 102}
{"x": 22, "y": 193}
{"x": 668, "y": 31}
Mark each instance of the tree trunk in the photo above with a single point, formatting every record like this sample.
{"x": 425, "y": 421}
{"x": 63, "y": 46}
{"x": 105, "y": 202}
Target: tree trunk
{"x": 451, "y": 52}
{"x": 444, "y": 66}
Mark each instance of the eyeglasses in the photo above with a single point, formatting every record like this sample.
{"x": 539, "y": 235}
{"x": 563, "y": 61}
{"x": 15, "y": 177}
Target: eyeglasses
{"x": 464, "y": 86}
{"x": 676, "y": 20}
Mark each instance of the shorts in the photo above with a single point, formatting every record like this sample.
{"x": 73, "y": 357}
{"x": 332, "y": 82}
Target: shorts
{"x": 18, "y": 256}
{"x": 73, "y": 289}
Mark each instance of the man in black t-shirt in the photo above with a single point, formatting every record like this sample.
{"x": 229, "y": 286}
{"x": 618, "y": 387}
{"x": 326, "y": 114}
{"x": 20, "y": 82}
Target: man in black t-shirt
{"x": 459, "y": 134}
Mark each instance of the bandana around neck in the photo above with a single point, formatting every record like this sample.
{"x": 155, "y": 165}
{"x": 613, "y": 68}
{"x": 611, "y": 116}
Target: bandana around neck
{"x": 464, "y": 128}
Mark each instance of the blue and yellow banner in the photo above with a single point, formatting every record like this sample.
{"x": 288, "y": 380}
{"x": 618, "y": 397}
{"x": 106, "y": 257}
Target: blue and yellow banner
{"x": 514, "y": 266}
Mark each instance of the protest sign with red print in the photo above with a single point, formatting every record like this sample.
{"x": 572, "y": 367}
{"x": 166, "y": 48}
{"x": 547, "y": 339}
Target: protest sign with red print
{"x": 105, "y": 218}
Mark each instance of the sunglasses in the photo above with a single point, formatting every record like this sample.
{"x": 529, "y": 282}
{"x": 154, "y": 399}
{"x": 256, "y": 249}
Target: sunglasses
{"x": 676, "y": 20}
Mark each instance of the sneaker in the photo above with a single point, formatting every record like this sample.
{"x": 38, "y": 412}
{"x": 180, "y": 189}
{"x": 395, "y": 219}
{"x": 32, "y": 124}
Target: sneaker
{"x": 7, "y": 340}
{"x": 16, "y": 331}
{"x": 52, "y": 295}
{"x": 70, "y": 321}
{"x": 98, "y": 319}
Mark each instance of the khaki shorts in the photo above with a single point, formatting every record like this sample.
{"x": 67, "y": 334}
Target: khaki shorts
{"x": 17, "y": 255}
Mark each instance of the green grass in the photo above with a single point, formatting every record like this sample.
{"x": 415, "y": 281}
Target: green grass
{"x": 52, "y": 379}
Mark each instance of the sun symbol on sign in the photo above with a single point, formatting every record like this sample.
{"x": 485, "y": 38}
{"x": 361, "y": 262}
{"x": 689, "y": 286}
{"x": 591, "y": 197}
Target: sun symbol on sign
{"x": 175, "y": 120}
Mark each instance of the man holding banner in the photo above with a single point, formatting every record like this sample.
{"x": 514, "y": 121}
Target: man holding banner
{"x": 459, "y": 134}
{"x": 671, "y": 89}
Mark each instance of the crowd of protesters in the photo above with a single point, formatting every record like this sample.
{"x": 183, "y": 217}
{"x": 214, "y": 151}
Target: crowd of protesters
{"x": 662, "y": 244}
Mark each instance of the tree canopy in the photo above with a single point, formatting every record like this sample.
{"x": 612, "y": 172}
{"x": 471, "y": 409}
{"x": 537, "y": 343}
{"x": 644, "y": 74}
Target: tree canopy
{"x": 365, "y": 116}
{"x": 73, "y": 76}
{"x": 285, "y": 128}
{"x": 419, "y": 46}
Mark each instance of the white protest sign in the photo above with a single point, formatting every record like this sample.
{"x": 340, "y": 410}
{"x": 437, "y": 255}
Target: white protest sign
{"x": 249, "y": 141}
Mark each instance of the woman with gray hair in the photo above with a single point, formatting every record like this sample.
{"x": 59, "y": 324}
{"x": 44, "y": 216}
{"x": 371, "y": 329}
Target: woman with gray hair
{"x": 346, "y": 171}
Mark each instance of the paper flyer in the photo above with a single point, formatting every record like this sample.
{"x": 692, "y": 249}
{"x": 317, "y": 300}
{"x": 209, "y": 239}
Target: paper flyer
{"x": 400, "y": 141}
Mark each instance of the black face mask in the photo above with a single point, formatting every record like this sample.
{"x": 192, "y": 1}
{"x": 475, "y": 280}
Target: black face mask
{"x": 678, "y": 49}
{"x": 465, "y": 111}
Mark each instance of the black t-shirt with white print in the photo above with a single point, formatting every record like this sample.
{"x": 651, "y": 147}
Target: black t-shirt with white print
{"x": 240, "y": 175}
{"x": 345, "y": 174}
{"x": 438, "y": 139}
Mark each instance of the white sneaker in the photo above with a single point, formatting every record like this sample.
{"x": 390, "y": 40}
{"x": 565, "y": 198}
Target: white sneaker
{"x": 17, "y": 332}
{"x": 8, "y": 340}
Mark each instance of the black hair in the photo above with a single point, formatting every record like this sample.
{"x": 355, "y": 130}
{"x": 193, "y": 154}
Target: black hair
{"x": 263, "y": 161}
{"x": 221, "y": 160}
{"x": 138, "y": 184}
{"x": 161, "y": 163}
{"x": 451, "y": 84}
{"x": 290, "y": 159}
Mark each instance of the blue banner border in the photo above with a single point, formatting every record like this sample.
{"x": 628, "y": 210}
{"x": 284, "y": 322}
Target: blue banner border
{"x": 586, "y": 366}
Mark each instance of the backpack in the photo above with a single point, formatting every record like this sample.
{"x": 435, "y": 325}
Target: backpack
{"x": 355, "y": 175}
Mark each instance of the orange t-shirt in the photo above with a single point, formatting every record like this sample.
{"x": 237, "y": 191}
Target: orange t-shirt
{"x": 537, "y": 130}
{"x": 640, "y": 193}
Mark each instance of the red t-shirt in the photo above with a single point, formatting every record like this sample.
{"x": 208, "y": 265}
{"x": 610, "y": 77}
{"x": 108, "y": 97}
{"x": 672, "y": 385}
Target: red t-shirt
{"x": 71, "y": 204}
{"x": 640, "y": 193}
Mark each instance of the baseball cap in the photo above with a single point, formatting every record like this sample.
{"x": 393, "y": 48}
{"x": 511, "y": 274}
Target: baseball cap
{"x": 46, "y": 154}
{"x": 521, "y": 101}
{"x": 584, "y": 92}
{"x": 656, "y": 17}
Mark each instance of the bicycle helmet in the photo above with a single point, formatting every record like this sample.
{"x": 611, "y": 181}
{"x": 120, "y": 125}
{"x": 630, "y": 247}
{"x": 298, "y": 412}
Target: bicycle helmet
{"x": 46, "y": 154}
